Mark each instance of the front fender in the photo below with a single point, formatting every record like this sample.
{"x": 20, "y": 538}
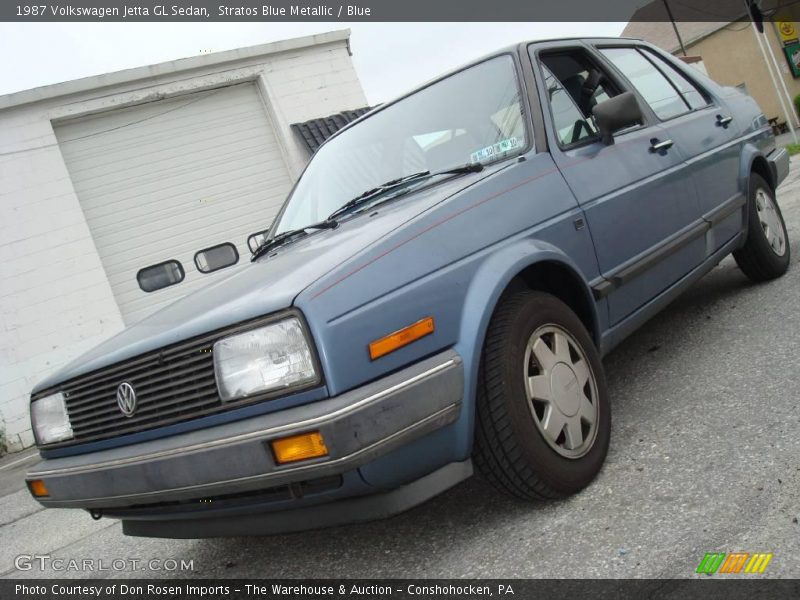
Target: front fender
{"x": 487, "y": 285}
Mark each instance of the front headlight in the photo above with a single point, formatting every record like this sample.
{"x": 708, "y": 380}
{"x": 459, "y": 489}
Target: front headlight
{"x": 49, "y": 419}
{"x": 269, "y": 358}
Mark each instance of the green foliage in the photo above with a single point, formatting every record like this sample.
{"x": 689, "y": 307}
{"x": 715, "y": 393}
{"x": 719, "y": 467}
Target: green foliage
{"x": 797, "y": 103}
{"x": 793, "y": 149}
{"x": 2, "y": 441}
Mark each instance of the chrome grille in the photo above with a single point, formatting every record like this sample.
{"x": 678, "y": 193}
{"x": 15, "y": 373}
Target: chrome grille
{"x": 171, "y": 385}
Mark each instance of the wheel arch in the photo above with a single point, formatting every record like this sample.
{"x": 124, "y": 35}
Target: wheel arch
{"x": 754, "y": 161}
{"x": 563, "y": 282}
{"x": 761, "y": 167}
{"x": 528, "y": 264}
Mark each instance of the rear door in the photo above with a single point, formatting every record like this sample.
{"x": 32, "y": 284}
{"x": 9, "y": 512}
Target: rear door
{"x": 701, "y": 126}
{"x": 640, "y": 207}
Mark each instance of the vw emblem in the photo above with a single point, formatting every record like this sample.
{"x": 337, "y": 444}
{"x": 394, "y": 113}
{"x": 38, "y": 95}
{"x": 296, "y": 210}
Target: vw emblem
{"x": 126, "y": 399}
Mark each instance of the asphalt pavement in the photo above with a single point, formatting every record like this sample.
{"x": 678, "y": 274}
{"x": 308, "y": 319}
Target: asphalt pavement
{"x": 705, "y": 457}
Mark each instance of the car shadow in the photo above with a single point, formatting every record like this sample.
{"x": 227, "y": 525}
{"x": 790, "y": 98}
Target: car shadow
{"x": 424, "y": 536}
{"x": 716, "y": 291}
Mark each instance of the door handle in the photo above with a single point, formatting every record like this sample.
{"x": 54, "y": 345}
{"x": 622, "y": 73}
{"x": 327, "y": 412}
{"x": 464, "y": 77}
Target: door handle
{"x": 724, "y": 121}
{"x": 656, "y": 146}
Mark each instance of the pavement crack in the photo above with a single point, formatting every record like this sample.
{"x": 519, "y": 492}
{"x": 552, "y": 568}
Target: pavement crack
{"x": 25, "y": 516}
{"x": 60, "y": 548}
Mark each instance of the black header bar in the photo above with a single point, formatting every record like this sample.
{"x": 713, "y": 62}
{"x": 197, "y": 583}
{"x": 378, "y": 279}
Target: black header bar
{"x": 400, "y": 589}
{"x": 386, "y": 10}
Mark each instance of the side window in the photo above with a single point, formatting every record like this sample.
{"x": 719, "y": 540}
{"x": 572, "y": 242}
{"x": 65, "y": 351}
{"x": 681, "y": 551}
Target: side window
{"x": 691, "y": 94}
{"x": 654, "y": 87}
{"x": 569, "y": 122}
{"x": 574, "y": 86}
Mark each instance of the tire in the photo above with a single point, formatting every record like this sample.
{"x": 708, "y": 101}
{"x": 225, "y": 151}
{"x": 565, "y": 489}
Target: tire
{"x": 766, "y": 253}
{"x": 512, "y": 449}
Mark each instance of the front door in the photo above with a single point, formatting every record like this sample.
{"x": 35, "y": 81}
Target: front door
{"x": 640, "y": 207}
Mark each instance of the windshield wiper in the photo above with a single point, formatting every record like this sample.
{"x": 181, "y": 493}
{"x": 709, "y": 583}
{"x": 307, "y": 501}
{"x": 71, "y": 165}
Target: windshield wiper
{"x": 284, "y": 237}
{"x": 399, "y": 182}
{"x": 332, "y": 223}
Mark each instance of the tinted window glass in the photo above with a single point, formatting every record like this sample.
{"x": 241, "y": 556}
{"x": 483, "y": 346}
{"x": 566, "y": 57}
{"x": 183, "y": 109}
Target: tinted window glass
{"x": 693, "y": 96}
{"x": 216, "y": 257}
{"x": 575, "y": 85}
{"x": 160, "y": 276}
{"x": 656, "y": 89}
{"x": 568, "y": 120}
{"x": 475, "y": 115}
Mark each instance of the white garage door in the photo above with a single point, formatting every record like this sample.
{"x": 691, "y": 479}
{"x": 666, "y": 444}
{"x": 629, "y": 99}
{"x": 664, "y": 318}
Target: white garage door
{"x": 160, "y": 182}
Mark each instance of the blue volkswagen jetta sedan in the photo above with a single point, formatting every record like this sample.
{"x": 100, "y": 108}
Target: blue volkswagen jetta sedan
{"x": 434, "y": 297}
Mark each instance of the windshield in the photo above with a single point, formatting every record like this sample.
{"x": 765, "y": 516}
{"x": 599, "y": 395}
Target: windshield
{"x": 470, "y": 117}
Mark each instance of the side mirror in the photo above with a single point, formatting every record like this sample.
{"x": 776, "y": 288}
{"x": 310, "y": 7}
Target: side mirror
{"x": 616, "y": 114}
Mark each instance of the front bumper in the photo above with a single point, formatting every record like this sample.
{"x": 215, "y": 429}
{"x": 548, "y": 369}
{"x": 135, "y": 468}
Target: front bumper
{"x": 235, "y": 458}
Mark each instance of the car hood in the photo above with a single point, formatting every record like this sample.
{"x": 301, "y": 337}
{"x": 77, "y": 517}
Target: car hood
{"x": 265, "y": 286}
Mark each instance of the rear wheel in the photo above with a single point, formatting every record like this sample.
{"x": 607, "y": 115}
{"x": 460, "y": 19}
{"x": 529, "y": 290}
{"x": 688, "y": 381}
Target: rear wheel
{"x": 543, "y": 418}
{"x": 765, "y": 254}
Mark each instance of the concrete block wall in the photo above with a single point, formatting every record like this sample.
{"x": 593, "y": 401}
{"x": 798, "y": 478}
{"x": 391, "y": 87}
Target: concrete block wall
{"x": 304, "y": 86}
{"x": 55, "y": 299}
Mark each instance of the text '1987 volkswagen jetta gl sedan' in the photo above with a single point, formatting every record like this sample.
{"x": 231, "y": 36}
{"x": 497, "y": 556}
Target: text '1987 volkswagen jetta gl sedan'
{"x": 434, "y": 296}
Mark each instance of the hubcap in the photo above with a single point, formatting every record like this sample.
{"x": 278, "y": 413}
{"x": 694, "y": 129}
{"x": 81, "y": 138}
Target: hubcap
{"x": 770, "y": 222}
{"x": 561, "y": 390}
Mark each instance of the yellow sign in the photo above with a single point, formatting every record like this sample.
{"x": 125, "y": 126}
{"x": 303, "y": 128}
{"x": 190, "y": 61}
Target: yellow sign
{"x": 787, "y": 31}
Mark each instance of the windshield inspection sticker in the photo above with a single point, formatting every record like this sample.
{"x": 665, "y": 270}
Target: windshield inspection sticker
{"x": 489, "y": 152}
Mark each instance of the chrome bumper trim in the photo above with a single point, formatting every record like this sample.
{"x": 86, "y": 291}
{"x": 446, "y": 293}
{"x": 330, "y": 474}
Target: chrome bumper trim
{"x": 264, "y": 433}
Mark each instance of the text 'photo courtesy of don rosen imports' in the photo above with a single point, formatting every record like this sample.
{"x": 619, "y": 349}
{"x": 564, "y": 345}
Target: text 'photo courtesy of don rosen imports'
{"x": 273, "y": 590}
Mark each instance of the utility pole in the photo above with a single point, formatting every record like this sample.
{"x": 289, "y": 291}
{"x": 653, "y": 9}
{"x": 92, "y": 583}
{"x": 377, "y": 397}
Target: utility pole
{"x": 675, "y": 26}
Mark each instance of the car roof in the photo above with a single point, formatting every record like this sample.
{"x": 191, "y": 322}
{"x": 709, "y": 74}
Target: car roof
{"x": 513, "y": 47}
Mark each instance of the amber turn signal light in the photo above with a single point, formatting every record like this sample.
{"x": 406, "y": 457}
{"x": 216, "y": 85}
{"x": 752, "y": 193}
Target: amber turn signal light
{"x": 38, "y": 488}
{"x": 299, "y": 447}
{"x": 401, "y": 338}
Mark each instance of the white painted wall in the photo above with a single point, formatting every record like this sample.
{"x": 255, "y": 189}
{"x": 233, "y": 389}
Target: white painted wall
{"x": 55, "y": 299}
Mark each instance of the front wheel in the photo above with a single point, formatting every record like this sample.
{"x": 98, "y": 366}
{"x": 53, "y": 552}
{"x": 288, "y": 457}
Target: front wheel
{"x": 765, "y": 254}
{"x": 543, "y": 418}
